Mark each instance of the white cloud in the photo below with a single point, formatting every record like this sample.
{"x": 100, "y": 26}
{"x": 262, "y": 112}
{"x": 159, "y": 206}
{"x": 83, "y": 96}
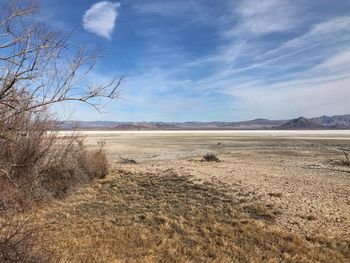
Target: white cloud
{"x": 267, "y": 16}
{"x": 100, "y": 18}
{"x": 300, "y": 99}
{"x": 161, "y": 8}
{"x": 304, "y": 72}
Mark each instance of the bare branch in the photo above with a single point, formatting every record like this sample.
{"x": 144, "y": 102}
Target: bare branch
{"x": 40, "y": 67}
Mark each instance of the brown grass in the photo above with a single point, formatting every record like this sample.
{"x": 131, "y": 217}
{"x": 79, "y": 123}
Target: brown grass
{"x": 134, "y": 217}
{"x": 210, "y": 157}
{"x": 21, "y": 240}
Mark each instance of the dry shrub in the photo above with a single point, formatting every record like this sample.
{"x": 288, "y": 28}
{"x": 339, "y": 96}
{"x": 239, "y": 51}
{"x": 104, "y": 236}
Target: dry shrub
{"x": 21, "y": 240}
{"x": 210, "y": 157}
{"x": 36, "y": 163}
{"x": 95, "y": 163}
{"x": 41, "y": 67}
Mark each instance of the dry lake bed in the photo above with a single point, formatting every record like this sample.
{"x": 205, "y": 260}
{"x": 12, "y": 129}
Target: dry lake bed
{"x": 298, "y": 172}
{"x": 296, "y": 179}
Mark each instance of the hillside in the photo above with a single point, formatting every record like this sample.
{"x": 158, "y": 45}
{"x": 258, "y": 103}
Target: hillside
{"x": 334, "y": 121}
{"x": 108, "y": 125}
{"x": 323, "y": 122}
{"x": 300, "y": 123}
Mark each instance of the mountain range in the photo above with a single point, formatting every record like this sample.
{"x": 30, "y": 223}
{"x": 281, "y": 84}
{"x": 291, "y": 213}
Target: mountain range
{"x": 323, "y": 122}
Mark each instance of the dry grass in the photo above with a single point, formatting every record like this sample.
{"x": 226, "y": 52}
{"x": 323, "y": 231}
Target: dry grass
{"x": 144, "y": 217}
{"x": 21, "y": 240}
{"x": 210, "y": 157}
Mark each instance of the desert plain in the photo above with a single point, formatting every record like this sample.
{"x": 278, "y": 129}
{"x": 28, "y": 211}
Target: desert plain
{"x": 273, "y": 196}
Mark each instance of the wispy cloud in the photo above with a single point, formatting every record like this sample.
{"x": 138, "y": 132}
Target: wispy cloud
{"x": 304, "y": 75}
{"x": 229, "y": 60}
{"x": 267, "y": 16}
{"x": 100, "y": 18}
{"x": 162, "y": 8}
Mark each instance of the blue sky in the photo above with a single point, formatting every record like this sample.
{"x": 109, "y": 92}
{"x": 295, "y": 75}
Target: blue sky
{"x": 219, "y": 60}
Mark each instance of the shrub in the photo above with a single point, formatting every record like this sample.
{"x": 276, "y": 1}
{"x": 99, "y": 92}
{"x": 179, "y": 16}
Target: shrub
{"x": 21, "y": 241}
{"x": 36, "y": 163}
{"x": 95, "y": 163}
{"x": 40, "y": 68}
{"x": 210, "y": 157}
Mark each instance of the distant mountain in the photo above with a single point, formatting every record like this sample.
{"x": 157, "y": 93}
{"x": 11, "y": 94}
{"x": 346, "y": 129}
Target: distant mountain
{"x": 110, "y": 125}
{"x": 334, "y": 121}
{"x": 105, "y": 125}
{"x": 144, "y": 126}
{"x": 300, "y": 123}
{"x": 257, "y": 123}
{"x": 87, "y": 125}
{"x": 323, "y": 122}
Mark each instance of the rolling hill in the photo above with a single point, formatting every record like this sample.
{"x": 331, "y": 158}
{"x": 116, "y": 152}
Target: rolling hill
{"x": 323, "y": 122}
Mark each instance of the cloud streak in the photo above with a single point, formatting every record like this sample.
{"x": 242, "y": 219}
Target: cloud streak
{"x": 231, "y": 60}
{"x": 304, "y": 75}
{"x": 267, "y": 16}
{"x": 100, "y": 18}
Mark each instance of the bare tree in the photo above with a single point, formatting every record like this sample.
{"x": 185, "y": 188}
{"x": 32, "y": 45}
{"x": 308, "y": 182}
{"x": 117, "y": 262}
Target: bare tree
{"x": 40, "y": 67}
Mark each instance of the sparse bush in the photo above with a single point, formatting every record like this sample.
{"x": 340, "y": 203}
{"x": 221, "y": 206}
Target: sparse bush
{"x": 40, "y": 68}
{"x": 94, "y": 162}
{"x": 210, "y": 157}
{"x": 21, "y": 241}
{"x": 36, "y": 163}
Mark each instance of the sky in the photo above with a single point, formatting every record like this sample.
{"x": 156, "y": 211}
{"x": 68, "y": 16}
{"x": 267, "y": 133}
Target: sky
{"x": 222, "y": 60}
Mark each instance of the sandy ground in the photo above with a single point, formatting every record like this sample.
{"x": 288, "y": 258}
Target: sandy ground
{"x": 299, "y": 174}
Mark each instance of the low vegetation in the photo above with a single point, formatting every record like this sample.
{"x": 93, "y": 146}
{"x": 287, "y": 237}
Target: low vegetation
{"x": 127, "y": 216}
{"x": 37, "y": 164}
{"x": 346, "y": 153}
{"x": 163, "y": 217}
{"x": 21, "y": 240}
{"x": 210, "y": 157}
{"x": 40, "y": 68}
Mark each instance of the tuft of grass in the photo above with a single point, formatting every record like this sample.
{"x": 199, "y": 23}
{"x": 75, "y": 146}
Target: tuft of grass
{"x": 278, "y": 195}
{"x": 308, "y": 217}
{"x": 210, "y": 157}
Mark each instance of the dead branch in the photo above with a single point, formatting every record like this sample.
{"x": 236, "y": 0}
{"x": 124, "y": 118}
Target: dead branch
{"x": 126, "y": 160}
{"x": 40, "y": 67}
{"x": 346, "y": 153}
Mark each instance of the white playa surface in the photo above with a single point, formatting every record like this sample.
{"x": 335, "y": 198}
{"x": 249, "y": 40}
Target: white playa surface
{"x": 293, "y": 134}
